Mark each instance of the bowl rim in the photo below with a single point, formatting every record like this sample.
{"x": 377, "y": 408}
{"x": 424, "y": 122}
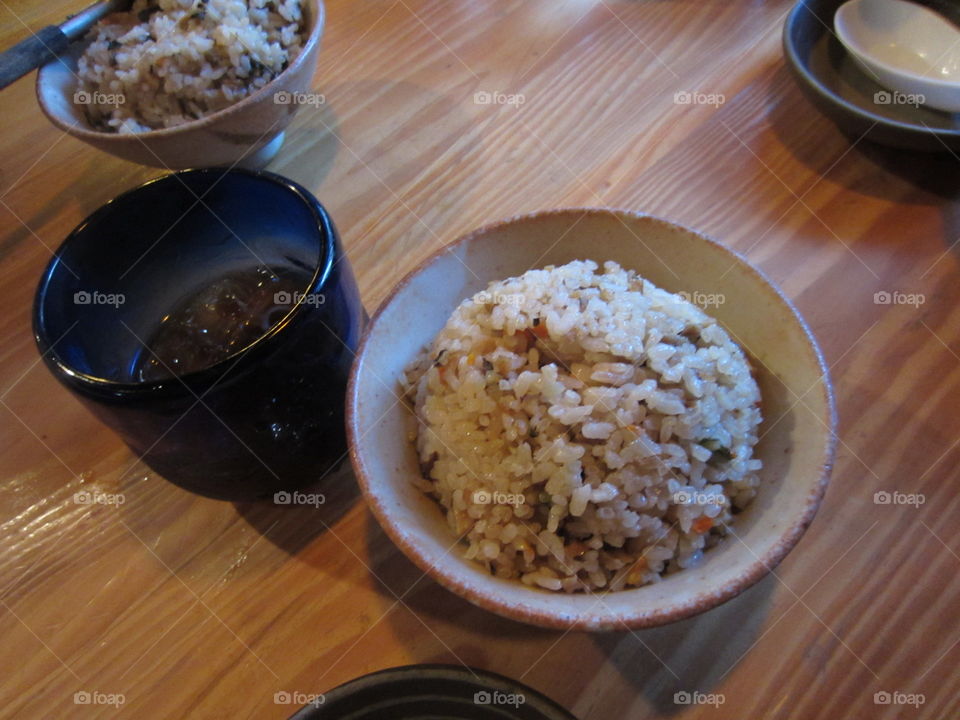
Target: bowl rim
{"x": 317, "y": 11}
{"x": 598, "y": 620}
{"x": 416, "y": 675}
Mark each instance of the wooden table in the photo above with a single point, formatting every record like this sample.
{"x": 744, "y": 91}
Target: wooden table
{"x": 190, "y": 607}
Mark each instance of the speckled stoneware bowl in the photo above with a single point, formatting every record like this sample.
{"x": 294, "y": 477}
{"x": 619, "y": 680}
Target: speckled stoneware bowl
{"x": 797, "y": 445}
{"x": 248, "y": 133}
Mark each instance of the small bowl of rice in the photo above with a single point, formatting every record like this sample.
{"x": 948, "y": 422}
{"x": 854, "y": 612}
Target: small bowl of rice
{"x": 591, "y": 419}
{"x": 188, "y": 83}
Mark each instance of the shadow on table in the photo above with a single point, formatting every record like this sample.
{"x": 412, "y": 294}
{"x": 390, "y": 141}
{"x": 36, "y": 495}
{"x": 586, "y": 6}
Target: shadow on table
{"x": 686, "y": 656}
{"x": 818, "y": 144}
{"x": 61, "y": 211}
{"x": 672, "y": 662}
{"x": 438, "y": 607}
{"x": 292, "y": 527}
{"x": 314, "y": 132}
{"x": 901, "y": 176}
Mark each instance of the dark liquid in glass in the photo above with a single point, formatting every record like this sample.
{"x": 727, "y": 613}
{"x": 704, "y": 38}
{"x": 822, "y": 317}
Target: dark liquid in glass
{"x": 220, "y": 320}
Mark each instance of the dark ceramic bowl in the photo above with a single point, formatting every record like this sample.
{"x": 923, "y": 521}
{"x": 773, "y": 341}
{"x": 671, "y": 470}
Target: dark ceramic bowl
{"x": 421, "y": 692}
{"x": 840, "y": 88}
{"x": 267, "y": 418}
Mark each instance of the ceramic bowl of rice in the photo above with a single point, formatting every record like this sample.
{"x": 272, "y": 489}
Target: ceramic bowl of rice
{"x": 188, "y": 83}
{"x": 591, "y": 419}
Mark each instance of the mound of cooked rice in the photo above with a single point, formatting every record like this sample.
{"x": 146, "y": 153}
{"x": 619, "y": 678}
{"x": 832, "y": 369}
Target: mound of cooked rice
{"x": 584, "y": 429}
{"x": 167, "y": 62}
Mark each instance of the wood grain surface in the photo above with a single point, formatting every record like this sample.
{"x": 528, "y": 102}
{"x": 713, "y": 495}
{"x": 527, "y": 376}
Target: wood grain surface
{"x": 190, "y": 607}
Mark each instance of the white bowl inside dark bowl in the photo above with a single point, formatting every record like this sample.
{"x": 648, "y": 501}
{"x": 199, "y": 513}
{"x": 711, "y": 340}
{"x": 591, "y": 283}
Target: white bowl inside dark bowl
{"x": 796, "y": 448}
